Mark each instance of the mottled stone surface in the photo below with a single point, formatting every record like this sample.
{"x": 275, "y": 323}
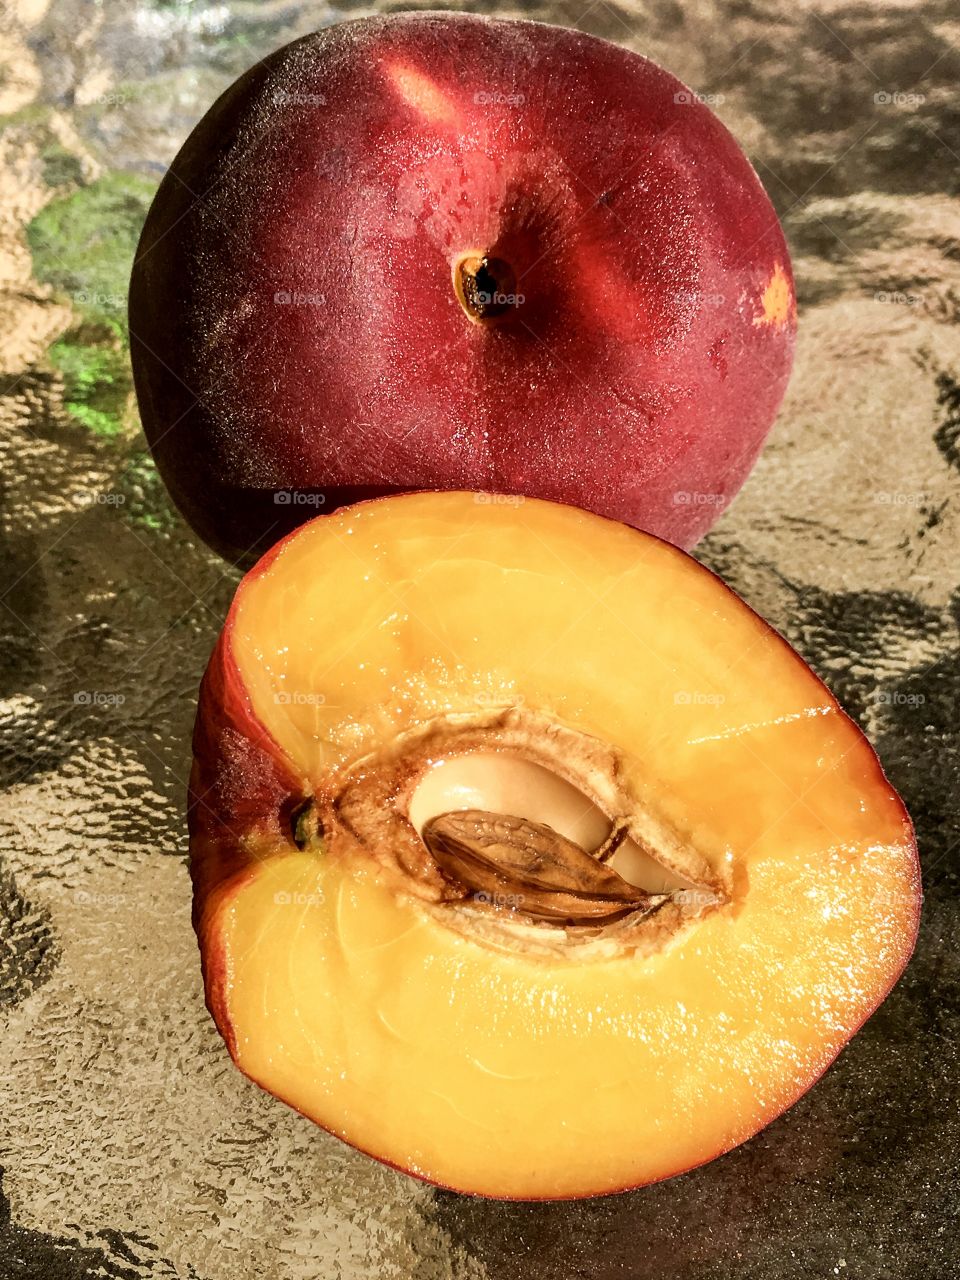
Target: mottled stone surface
{"x": 131, "y": 1147}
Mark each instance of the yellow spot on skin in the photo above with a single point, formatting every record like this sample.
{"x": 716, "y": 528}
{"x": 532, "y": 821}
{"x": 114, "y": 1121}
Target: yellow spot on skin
{"x": 777, "y": 301}
{"x": 421, "y": 93}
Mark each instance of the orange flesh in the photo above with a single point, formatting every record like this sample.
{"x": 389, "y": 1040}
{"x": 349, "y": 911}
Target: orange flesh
{"x": 507, "y": 1074}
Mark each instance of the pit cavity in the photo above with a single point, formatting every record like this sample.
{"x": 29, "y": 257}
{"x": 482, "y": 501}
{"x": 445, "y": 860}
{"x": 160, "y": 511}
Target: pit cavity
{"x": 501, "y": 782}
{"x": 491, "y": 823}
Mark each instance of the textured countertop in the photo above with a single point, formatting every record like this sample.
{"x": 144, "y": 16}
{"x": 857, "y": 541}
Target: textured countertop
{"x": 130, "y": 1145}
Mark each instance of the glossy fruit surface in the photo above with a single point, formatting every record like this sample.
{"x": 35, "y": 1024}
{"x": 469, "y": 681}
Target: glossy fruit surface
{"x": 439, "y": 251}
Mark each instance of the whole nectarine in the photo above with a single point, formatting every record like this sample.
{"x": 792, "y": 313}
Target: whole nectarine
{"x": 526, "y": 857}
{"x": 439, "y": 251}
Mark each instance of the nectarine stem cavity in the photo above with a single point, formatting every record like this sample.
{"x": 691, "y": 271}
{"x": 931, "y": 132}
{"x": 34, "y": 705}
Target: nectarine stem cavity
{"x": 486, "y": 286}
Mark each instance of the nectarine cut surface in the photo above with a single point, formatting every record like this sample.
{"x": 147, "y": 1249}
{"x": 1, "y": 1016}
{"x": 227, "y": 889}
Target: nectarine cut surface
{"x": 527, "y": 857}
{"x": 442, "y": 251}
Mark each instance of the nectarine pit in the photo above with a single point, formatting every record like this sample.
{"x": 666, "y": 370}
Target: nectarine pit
{"x": 541, "y": 873}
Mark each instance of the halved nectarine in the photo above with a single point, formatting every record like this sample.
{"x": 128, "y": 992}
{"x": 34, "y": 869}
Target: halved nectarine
{"x": 527, "y": 857}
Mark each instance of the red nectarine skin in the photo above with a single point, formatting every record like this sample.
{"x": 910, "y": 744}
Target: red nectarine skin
{"x": 295, "y": 324}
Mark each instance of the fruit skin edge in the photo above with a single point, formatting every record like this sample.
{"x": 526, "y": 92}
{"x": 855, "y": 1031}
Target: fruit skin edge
{"x": 222, "y": 676}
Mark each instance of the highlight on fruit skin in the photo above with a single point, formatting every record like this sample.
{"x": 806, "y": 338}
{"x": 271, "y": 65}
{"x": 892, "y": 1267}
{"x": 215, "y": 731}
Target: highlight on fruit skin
{"x": 527, "y": 858}
{"x": 445, "y": 251}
